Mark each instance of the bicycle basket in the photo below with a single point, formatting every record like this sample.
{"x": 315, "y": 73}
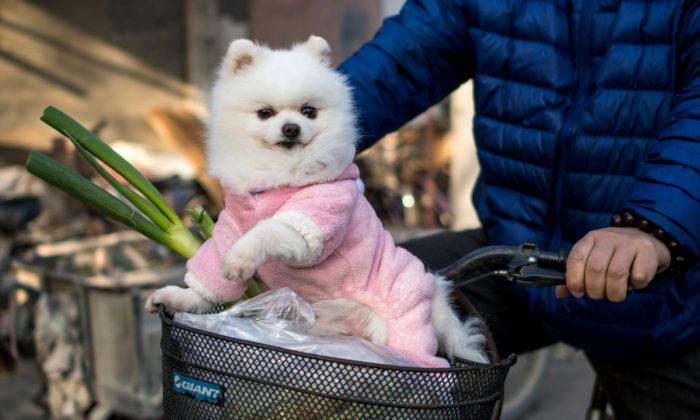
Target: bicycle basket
{"x": 208, "y": 376}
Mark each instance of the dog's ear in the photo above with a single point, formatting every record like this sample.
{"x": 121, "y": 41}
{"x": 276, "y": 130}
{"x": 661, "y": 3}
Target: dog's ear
{"x": 240, "y": 55}
{"x": 320, "y": 47}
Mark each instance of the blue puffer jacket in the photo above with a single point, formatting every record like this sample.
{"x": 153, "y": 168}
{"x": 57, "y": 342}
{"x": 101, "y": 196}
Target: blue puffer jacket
{"x": 583, "y": 108}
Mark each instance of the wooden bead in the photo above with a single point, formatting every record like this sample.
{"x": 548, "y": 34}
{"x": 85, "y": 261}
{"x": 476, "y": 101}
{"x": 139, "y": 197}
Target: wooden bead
{"x": 616, "y": 220}
{"x": 645, "y": 226}
{"x": 629, "y": 220}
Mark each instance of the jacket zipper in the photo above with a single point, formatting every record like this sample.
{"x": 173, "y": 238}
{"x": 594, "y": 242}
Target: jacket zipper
{"x": 570, "y": 125}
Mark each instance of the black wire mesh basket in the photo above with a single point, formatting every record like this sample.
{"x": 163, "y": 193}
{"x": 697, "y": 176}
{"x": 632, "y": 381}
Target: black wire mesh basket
{"x": 209, "y": 376}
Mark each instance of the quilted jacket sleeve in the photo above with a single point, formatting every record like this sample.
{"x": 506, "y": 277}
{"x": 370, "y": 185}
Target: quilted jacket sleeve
{"x": 415, "y": 59}
{"x": 667, "y": 191}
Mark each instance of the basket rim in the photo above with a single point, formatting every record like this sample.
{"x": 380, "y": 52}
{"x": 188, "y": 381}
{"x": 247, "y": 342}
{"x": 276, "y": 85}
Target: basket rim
{"x": 507, "y": 362}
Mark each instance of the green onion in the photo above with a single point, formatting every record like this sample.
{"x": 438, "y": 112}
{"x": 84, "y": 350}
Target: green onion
{"x": 78, "y": 187}
{"x": 76, "y": 132}
{"x": 151, "y": 215}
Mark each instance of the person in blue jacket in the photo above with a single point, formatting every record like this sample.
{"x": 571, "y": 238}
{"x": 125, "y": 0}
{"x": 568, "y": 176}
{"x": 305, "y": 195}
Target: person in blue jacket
{"x": 583, "y": 110}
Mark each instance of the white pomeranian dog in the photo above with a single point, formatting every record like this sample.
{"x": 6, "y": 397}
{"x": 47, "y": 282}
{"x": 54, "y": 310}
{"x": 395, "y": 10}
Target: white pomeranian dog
{"x": 282, "y": 142}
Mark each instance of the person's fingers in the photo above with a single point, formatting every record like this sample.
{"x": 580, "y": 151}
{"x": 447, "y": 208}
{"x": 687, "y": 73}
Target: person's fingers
{"x": 576, "y": 266}
{"x": 645, "y": 265}
{"x": 618, "y": 273}
{"x": 561, "y": 292}
{"x": 596, "y": 269}
{"x": 606, "y": 261}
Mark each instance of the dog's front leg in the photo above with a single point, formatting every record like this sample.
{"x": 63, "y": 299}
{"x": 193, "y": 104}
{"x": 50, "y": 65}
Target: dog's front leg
{"x": 269, "y": 238}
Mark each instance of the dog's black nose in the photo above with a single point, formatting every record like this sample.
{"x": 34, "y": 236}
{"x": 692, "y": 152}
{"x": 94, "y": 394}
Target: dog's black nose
{"x": 291, "y": 131}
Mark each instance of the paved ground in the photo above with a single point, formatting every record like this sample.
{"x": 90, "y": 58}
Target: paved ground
{"x": 17, "y": 392}
{"x": 566, "y": 388}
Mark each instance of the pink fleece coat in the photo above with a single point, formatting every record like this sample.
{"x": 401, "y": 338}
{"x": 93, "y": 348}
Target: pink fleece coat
{"x": 353, "y": 258}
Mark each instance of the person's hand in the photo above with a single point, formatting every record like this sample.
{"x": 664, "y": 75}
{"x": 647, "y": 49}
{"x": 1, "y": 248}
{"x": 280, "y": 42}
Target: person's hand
{"x": 605, "y": 261}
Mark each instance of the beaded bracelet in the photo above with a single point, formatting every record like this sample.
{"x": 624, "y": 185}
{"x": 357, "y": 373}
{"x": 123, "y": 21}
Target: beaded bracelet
{"x": 679, "y": 260}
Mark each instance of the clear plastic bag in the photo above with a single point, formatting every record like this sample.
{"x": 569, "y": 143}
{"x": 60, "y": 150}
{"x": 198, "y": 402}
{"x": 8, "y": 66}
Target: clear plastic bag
{"x": 281, "y": 318}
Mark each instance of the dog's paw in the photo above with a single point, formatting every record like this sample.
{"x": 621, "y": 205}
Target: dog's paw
{"x": 238, "y": 270}
{"x": 176, "y": 299}
{"x": 241, "y": 262}
{"x": 165, "y": 296}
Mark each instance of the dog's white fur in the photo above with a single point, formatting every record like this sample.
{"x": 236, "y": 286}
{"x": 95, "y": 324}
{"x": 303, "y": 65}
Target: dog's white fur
{"x": 247, "y": 152}
{"x": 242, "y": 147}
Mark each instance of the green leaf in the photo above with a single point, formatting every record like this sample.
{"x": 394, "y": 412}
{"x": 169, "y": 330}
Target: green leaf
{"x": 74, "y": 131}
{"x": 80, "y": 188}
{"x": 202, "y": 220}
{"x": 151, "y": 211}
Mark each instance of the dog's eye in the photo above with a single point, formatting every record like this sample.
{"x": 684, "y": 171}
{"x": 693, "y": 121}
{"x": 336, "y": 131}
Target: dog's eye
{"x": 265, "y": 113}
{"x": 308, "y": 112}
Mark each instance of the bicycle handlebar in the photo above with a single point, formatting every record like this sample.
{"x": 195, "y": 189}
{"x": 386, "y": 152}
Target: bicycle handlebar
{"x": 524, "y": 264}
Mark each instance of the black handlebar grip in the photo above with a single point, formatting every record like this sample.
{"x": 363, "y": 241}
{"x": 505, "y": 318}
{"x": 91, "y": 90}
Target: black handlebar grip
{"x": 554, "y": 259}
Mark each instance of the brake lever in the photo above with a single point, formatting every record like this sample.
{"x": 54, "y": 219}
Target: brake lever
{"x": 532, "y": 267}
{"x": 537, "y": 276}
